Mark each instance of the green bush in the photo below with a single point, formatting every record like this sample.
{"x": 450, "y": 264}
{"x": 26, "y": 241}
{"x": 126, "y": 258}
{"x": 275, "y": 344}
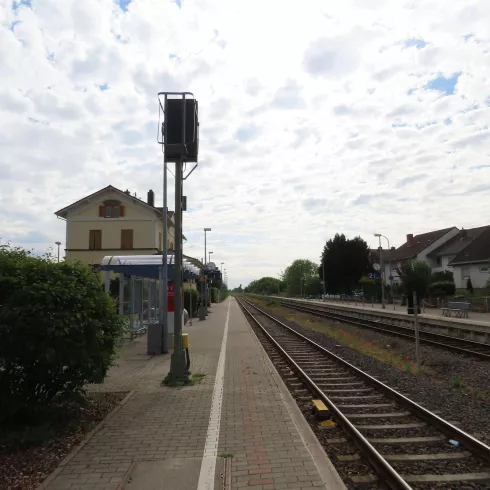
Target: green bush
{"x": 58, "y": 330}
{"x": 214, "y": 295}
{"x": 442, "y": 288}
{"x": 187, "y": 300}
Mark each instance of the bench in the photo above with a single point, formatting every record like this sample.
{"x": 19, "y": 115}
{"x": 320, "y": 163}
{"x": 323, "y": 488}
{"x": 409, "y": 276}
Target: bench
{"x": 459, "y": 308}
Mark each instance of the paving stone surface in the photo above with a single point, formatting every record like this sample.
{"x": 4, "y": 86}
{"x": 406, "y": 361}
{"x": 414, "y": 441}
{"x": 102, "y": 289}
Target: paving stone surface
{"x": 256, "y": 426}
{"x": 159, "y": 423}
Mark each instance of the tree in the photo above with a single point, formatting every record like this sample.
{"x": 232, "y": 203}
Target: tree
{"x": 345, "y": 262}
{"x": 469, "y": 285}
{"x": 415, "y": 277}
{"x": 266, "y": 285}
{"x": 298, "y": 275}
{"x": 58, "y": 330}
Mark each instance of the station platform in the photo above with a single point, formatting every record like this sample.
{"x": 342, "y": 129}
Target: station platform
{"x": 236, "y": 427}
{"x": 481, "y": 319}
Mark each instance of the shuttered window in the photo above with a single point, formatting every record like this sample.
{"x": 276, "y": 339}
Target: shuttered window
{"x": 95, "y": 240}
{"x": 111, "y": 209}
{"x": 126, "y": 239}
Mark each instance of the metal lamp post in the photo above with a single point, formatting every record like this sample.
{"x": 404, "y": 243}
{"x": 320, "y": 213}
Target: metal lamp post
{"x": 379, "y": 235}
{"x": 324, "y": 283}
{"x": 204, "y": 308}
{"x": 58, "y": 243}
{"x": 383, "y": 275}
{"x": 209, "y": 258}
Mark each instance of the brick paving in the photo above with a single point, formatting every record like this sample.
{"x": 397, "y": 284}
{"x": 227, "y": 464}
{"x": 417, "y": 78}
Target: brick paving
{"x": 256, "y": 425}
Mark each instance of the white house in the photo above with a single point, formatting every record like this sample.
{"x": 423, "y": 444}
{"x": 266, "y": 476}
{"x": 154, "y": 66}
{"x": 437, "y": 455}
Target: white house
{"x": 473, "y": 261}
{"x": 418, "y": 247}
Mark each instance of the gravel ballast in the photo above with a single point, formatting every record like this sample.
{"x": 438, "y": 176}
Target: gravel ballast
{"x": 455, "y": 386}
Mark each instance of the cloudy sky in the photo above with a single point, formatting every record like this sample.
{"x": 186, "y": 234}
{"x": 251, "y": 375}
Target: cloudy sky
{"x": 356, "y": 116}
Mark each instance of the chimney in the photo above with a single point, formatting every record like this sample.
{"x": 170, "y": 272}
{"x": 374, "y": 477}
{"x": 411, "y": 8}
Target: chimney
{"x": 463, "y": 234}
{"x": 393, "y": 249}
{"x": 410, "y": 239}
{"x": 151, "y": 198}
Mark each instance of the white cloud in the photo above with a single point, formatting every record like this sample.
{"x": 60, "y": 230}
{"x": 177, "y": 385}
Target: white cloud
{"x": 314, "y": 118}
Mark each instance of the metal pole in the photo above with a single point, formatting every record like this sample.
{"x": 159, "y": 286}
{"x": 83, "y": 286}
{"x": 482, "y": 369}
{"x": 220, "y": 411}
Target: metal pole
{"x": 382, "y": 275}
{"x": 324, "y": 285}
{"x": 164, "y": 284}
{"x": 178, "y": 374}
{"x": 205, "y": 278}
{"x": 121, "y": 294}
{"x": 132, "y": 302}
{"x": 416, "y": 325}
{"x": 190, "y": 302}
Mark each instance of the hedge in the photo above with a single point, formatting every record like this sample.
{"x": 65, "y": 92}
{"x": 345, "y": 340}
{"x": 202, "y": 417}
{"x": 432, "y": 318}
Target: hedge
{"x": 58, "y": 330}
{"x": 195, "y": 300}
{"x": 441, "y": 288}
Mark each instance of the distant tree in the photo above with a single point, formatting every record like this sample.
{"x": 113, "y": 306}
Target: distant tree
{"x": 469, "y": 285}
{"x": 266, "y": 285}
{"x": 314, "y": 286}
{"x": 298, "y": 275}
{"x": 345, "y": 262}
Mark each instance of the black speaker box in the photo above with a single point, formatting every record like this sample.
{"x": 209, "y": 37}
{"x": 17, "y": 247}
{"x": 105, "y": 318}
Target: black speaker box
{"x": 180, "y": 142}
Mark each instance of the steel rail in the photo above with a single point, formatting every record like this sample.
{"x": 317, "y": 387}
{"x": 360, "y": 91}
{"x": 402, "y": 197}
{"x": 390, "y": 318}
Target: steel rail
{"x": 382, "y": 467}
{"x": 477, "y": 447}
{"x": 395, "y": 330}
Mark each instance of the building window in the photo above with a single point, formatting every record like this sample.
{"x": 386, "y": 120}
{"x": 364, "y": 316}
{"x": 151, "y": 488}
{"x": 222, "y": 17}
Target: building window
{"x": 483, "y": 269}
{"x": 95, "y": 239}
{"x": 439, "y": 261}
{"x": 111, "y": 209}
{"x": 126, "y": 239}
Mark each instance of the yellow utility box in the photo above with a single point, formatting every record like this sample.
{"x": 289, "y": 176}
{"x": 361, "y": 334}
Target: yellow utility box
{"x": 185, "y": 341}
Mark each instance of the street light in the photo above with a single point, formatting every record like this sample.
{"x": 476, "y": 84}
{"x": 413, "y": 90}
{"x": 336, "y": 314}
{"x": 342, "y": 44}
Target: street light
{"x": 383, "y": 274}
{"x": 58, "y": 243}
{"x": 204, "y": 287}
{"x": 205, "y": 255}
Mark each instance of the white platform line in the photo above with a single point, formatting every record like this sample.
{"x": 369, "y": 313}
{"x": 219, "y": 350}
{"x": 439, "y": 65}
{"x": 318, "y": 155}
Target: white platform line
{"x": 208, "y": 465}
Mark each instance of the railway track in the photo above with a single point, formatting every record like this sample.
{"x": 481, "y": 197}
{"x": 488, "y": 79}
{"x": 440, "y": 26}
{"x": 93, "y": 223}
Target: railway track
{"x": 406, "y": 445}
{"x": 462, "y": 346}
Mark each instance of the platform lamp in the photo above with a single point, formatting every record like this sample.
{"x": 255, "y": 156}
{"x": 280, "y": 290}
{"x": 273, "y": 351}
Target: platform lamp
{"x": 58, "y": 243}
{"x": 179, "y": 136}
{"x": 203, "y": 310}
{"x": 383, "y": 275}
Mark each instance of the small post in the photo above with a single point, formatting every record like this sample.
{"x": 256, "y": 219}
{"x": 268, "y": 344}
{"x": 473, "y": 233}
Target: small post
{"x": 372, "y": 301}
{"x": 416, "y": 327}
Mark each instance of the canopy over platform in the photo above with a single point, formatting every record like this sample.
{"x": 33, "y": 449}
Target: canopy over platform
{"x": 147, "y": 266}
